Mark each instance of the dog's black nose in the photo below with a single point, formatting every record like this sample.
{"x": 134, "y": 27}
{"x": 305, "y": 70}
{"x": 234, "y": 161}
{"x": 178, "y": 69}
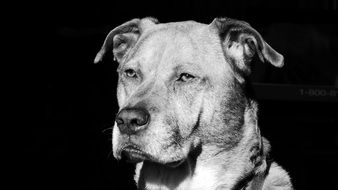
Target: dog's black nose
{"x": 132, "y": 120}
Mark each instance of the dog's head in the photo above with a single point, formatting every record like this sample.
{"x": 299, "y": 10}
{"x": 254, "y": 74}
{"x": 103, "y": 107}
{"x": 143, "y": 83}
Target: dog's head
{"x": 180, "y": 85}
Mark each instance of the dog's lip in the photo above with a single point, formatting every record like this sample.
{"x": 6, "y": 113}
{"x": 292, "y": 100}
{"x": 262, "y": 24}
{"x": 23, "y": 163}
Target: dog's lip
{"x": 174, "y": 164}
{"x": 134, "y": 154}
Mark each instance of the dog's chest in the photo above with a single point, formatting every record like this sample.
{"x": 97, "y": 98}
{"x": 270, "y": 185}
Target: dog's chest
{"x": 203, "y": 178}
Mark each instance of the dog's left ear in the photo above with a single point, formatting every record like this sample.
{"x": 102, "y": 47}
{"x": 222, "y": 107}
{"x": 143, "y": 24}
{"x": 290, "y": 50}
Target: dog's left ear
{"x": 241, "y": 42}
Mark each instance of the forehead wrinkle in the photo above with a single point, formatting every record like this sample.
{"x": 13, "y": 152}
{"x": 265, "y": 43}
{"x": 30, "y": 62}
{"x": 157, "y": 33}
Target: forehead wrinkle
{"x": 143, "y": 39}
{"x": 195, "y": 45}
{"x": 180, "y": 46}
{"x": 155, "y": 49}
{"x": 186, "y": 66}
{"x": 147, "y": 53}
{"x": 181, "y": 54}
{"x": 152, "y": 65}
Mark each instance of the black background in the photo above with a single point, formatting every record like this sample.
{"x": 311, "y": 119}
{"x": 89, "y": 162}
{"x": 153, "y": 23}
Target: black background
{"x": 71, "y": 145}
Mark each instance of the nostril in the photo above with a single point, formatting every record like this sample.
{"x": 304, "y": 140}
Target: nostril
{"x": 141, "y": 121}
{"x": 119, "y": 121}
{"x": 144, "y": 118}
{"x": 138, "y": 122}
{"x": 134, "y": 121}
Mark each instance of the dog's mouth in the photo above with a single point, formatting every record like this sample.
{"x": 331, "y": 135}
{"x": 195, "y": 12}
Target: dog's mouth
{"x": 174, "y": 164}
{"x": 133, "y": 154}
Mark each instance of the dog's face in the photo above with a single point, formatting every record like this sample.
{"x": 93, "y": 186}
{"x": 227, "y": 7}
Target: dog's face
{"x": 179, "y": 85}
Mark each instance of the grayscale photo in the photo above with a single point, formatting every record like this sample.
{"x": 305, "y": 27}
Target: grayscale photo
{"x": 187, "y": 95}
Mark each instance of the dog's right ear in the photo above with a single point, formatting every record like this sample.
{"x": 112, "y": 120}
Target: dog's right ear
{"x": 121, "y": 39}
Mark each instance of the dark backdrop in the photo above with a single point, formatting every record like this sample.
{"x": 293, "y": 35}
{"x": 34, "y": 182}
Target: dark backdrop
{"x": 72, "y": 146}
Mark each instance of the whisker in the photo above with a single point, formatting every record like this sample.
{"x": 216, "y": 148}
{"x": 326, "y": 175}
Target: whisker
{"x": 109, "y": 154}
{"x": 105, "y": 130}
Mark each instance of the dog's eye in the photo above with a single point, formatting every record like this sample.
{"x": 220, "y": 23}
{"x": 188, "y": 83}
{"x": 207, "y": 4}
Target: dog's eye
{"x": 184, "y": 77}
{"x": 130, "y": 73}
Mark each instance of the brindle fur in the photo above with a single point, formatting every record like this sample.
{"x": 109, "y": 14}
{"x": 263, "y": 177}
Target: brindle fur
{"x": 208, "y": 122}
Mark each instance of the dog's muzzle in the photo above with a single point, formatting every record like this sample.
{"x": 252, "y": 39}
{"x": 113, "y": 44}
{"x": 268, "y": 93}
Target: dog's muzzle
{"x": 130, "y": 122}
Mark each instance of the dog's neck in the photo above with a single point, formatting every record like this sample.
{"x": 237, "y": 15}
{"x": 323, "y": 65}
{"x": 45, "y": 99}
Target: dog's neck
{"x": 210, "y": 169}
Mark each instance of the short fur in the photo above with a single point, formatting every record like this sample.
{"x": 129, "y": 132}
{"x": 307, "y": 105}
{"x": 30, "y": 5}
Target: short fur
{"x": 205, "y": 121}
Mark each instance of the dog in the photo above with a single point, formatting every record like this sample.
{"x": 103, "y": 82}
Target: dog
{"x": 185, "y": 115}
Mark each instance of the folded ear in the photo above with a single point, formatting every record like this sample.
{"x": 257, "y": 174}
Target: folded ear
{"x": 241, "y": 42}
{"x": 121, "y": 39}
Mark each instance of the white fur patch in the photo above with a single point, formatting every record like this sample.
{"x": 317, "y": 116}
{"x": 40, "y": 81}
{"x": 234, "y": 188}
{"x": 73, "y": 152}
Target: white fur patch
{"x": 237, "y": 52}
{"x": 116, "y": 134}
{"x": 204, "y": 178}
